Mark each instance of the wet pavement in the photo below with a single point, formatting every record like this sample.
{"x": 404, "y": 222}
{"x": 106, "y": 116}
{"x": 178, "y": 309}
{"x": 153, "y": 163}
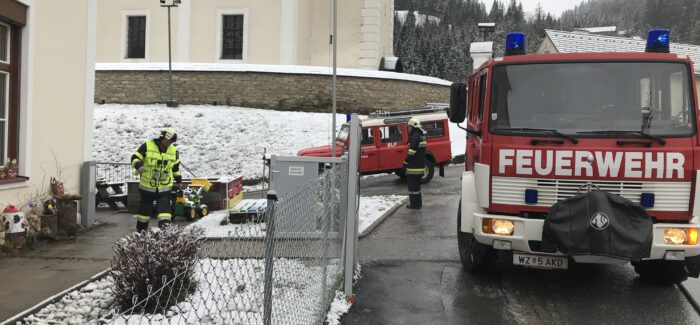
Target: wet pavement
{"x": 411, "y": 274}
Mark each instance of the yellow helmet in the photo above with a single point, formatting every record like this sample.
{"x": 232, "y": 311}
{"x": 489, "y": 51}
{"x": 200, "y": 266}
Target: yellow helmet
{"x": 414, "y": 122}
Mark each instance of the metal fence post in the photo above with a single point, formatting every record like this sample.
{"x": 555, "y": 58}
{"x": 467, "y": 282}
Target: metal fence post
{"x": 351, "y": 219}
{"x": 269, "y": 256}
{"x": 88, "y": 192}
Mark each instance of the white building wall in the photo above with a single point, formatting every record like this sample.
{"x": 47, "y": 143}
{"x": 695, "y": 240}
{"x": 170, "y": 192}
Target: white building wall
{"x": 57, "y": 80}
{"x": 277, "y": 31}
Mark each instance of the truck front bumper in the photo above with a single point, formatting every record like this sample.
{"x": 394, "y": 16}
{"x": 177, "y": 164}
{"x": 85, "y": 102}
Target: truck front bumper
{"x": 527, "y": 237}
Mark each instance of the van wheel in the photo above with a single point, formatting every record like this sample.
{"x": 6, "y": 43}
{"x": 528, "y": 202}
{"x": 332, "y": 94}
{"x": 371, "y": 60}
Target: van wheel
{"x": 475, "y": 257}
{"x": 661, "y": 272}
{"x": 429, "y": 172}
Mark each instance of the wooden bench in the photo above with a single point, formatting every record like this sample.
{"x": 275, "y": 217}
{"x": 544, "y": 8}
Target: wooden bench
{"x": 104, "y": 196}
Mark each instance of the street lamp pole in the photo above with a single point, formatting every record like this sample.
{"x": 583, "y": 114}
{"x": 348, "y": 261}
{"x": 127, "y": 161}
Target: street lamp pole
{"x": 169, "y": 4}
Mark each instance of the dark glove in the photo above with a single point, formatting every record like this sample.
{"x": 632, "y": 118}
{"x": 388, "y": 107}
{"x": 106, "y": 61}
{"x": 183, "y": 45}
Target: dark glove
{"x": 177, "y": 186}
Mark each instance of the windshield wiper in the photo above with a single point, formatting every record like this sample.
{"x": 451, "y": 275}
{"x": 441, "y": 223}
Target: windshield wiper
{"x": 615, "y": 132}
{"x": 573, "y": 140}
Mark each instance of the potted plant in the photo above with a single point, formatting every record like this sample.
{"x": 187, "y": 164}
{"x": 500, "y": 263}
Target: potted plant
{"x": 11, "y": 168}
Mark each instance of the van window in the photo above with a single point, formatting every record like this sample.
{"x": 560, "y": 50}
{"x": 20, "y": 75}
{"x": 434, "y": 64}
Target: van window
{"x": 434, "y": 129}
{"x": 390, "y": 134}
{"x": 367, "y": 137}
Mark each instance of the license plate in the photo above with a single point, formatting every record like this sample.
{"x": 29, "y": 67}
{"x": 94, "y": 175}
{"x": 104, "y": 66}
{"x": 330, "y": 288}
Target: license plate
{"x": 541, "y": 261}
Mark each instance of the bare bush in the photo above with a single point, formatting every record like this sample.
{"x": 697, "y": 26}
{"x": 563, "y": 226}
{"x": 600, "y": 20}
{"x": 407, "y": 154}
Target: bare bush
{"x": 148, "y": 262}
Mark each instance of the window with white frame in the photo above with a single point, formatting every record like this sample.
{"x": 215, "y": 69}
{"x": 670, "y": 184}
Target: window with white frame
{"x": 232, "y": 33}
{"x": 136, "y": 37}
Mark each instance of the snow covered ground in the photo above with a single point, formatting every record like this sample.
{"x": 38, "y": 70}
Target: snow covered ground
{"x": 374, "y": 207}
{"x": 213, "y": 141}
{"x": 228, "y": 292}
{"x": 214, "y": 229}
{"x": 218, "y": 141}
{"x": 371, "y": 209}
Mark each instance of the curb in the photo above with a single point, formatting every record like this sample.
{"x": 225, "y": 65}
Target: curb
{"x": 32, "y": 310}
{"x": 381, "y": 219}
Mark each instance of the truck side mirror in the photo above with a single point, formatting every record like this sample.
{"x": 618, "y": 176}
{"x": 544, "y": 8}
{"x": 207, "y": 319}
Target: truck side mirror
{"x": 458, "y": 102}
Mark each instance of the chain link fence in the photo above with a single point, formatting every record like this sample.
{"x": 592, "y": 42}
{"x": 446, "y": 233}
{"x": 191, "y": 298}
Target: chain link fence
{"x": 288, "y": 277}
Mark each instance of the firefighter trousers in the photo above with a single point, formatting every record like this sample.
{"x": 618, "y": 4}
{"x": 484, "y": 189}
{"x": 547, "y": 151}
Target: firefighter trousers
{"x": 162, "y": 209}
{"x": 414, "y": 196}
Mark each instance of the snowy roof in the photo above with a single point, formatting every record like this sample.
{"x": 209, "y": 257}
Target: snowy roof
{"x": 605, "y": 29}
{"x": 375, "y": 121}
{"x": 487, "y": 25}
{"x": 481, "y": 47}
{"x": 571, "y": 42}
{"x": 269, "y": 68}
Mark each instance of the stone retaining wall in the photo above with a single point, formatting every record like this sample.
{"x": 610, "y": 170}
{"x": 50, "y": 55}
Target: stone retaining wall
{"x": 281, "y": 91}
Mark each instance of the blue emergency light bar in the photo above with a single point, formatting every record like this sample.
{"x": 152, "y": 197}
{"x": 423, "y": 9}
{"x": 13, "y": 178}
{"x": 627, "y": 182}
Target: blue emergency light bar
{"x": 515, "y": 44}
{"x": 658, "y": 41}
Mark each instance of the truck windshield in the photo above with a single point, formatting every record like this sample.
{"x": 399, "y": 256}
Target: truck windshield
{"x": 592, "y": 99}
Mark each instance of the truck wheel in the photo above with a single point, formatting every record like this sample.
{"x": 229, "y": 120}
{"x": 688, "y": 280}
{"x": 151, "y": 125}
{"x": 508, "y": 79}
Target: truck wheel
{"x": 475, "y": 257}
{"x": 661, "y": 272}
{"x": 429, "y": 172}
{"x": 189, "y": 214}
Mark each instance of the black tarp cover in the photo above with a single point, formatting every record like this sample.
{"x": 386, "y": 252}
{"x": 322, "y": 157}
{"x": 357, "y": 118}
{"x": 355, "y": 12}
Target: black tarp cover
{"x": 601, "y": 224}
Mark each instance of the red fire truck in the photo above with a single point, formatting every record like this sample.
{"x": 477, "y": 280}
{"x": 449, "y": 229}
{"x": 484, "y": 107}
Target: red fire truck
{"x": 547, "y": 131}
{"x": 385, "y": 141}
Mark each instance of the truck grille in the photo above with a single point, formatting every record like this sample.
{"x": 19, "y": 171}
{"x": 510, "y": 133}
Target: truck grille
{"x": 669, "y": 196}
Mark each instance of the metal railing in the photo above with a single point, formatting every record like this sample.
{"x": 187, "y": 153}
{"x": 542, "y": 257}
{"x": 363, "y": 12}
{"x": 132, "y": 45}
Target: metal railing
{"x": 103, "y": 182}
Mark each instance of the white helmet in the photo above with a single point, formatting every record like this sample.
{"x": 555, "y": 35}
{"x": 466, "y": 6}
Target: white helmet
{"x": 169, "y": 133}
{"x": 414, "y": 122}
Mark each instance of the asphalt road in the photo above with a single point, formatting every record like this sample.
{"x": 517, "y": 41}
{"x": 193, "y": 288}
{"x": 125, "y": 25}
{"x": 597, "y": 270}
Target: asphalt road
{"x": 411, "y": 274}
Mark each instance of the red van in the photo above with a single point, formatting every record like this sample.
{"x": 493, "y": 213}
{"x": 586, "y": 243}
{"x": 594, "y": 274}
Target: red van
{"x": 385, "y": 139}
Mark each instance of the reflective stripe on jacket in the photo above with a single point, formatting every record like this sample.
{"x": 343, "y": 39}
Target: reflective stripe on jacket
{"x": 158, "y": 174}
{"x": 415, "y": 159}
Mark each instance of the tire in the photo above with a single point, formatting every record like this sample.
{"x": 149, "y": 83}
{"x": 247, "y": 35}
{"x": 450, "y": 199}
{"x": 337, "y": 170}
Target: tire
{"x": 202, "y": 212}
{"x": 189, "y": 214}
{"x": 475, "y": 257}
{"x": 661, "y": 272}
{"x": 429, "y": 172}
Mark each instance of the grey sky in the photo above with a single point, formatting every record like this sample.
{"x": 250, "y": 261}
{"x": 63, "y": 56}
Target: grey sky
{"x": 555, "y": 7}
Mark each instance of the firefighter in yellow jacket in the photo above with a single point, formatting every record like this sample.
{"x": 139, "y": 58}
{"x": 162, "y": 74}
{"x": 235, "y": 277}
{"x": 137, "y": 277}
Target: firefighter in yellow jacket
{"x": 158, "y": 163}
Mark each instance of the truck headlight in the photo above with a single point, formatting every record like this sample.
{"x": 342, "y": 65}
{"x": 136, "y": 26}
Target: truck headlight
{"x": 681, "y": 236}
{"x": 501, "y": 227}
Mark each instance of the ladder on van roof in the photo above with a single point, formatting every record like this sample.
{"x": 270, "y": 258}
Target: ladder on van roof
{"x": 429, "y": 108}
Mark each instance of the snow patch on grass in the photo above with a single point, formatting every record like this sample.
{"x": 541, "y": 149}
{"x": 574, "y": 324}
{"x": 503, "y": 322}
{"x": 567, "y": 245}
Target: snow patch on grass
{"x": 233, "y": 288}
{"x": 339, "y": 307}
{"x": 373, "y": 207}
{"x": 214, "y": 229}
{"x": 213, "y": 141}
